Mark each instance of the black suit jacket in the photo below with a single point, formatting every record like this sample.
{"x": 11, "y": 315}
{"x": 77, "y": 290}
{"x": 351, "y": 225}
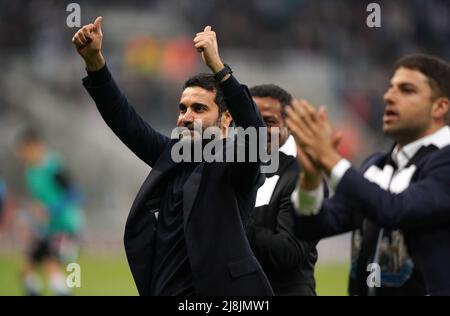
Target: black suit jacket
{"x": 422, "y": 212}
{"x": 216, "y": 198}
{"x": 287, "y": 261}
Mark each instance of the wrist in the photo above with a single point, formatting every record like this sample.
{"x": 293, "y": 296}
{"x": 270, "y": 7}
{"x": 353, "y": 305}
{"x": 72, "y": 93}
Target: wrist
{"x": 216, "y": 67}
{"x": 95, "y": 62}
{"x": 309, "y": 181}
{"x": 223, "y": 74}
{"x": 329, "y": 160}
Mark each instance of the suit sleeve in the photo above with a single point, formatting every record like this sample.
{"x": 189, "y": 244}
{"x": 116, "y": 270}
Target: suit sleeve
{"x": 240, "y": 104}
{"x": 425, "y": 202}
{"x": 335, "y": 217}
{"x": 245, "y": 114}
{"x": 279, "y": 249}
{"x": 123, "y": 120}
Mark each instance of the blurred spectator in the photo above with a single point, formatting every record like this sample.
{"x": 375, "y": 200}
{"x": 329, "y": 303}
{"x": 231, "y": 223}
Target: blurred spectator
{"x": 56, "y": 215}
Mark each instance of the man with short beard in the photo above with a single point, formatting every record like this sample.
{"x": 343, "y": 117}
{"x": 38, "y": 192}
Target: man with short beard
{"x": 185, "y": 231}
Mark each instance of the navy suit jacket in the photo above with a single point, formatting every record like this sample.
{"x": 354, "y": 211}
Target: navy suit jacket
{"x": 217, "y": 197}
{"x": 422, "y": 212}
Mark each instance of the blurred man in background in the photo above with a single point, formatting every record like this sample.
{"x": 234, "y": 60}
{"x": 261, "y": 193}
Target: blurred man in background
{"x": 399, "y": 205}
{"x": 287, "y": 261}
{"x": 55, "y": 217}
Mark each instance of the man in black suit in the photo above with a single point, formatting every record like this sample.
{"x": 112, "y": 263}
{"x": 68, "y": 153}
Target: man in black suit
{"x": 398, "y": 207}
{"x": 185, "y": 232}
{"x": 287, "y": 261}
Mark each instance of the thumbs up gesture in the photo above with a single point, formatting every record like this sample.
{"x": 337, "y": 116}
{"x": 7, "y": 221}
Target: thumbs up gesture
{"x": 88, "y": 42}
{"x": 206, "y": 44}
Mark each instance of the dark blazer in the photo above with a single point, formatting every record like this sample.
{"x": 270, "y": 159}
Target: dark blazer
{"x": 217, "y": 198}
{"x": 422, "y": 212}
{"x": 287, "y": 261}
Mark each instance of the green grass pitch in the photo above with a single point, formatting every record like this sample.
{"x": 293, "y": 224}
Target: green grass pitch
{"x": 108, "y": 274}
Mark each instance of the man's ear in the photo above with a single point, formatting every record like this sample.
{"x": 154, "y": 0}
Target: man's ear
{"x": 226, "y": 119}
{"x": 441, "y": 109}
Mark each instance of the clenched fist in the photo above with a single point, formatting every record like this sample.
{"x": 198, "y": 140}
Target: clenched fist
{"x": 88, "y": 42}
{"x": 206, "y": 43}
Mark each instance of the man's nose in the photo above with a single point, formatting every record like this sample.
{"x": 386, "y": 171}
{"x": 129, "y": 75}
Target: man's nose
{"x": 389, "y": 96}
{"x": 188, "y": 117}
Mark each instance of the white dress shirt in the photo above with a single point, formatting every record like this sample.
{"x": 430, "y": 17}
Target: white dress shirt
{"x": 265, "y": 191}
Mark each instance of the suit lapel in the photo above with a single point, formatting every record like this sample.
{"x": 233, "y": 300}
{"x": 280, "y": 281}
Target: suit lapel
{"x": 190, "y": 190}
{"x": 285, "y": 163}
{"x": 192, "y": 185}
{"x": 161, "y": 167}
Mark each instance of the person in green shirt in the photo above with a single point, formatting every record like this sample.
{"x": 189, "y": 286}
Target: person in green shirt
{"x": 57, "y": 215}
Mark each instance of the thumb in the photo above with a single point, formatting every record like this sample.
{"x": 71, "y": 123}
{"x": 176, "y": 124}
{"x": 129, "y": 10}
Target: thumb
{"x": 98, "y": 24}
{"x": 207, "y": 29}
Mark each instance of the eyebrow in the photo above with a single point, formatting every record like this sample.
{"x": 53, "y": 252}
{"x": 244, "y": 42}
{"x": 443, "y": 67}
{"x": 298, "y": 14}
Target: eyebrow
{"x": 270, "y": 117}
{"x": 404, "y": 85}
{"x": 407, "y": 85}
{"x": 196, "y": 104}
{"x": 200, "y": 104}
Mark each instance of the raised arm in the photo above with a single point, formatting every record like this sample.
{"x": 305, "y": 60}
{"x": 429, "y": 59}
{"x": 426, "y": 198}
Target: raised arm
{"x": 112, "y": 104}
{"x": 239, "y": 103}
{"x": 238, "y": 98}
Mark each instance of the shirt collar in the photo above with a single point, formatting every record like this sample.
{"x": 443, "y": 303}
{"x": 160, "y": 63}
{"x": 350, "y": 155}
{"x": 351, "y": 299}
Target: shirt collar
{"x": 289, "y": 148}
{"x": 440, "y": 139}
